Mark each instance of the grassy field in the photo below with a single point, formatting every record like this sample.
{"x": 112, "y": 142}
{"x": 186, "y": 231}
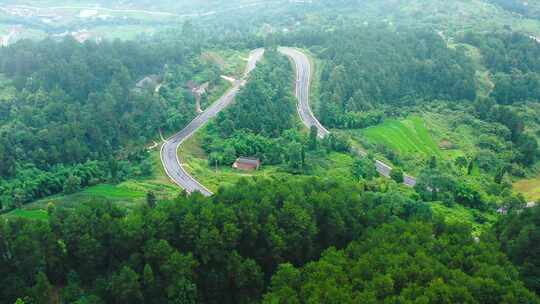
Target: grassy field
{"x": 530, "y": 188}
{"x": 334, "y": 165}
{"x": 196, "y": 163}
{"x": 409, "y": 136}
{"x": 34, "y": 214}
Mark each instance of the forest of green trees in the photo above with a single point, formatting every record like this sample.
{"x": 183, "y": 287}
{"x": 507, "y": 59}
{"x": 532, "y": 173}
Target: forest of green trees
{"x": 366, "y": 68}
{"x": 254, "y": 124}
{"x": 525, "y": 8}
{"x": 261, "y": 123}
{"x": 72, "y": 118}
{"x": 76, "y": 118}
{"x": 245, "y": 244}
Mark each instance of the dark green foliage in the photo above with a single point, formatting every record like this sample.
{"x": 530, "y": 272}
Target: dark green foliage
{"x": 72, "y": 185}
{"x": 519, "y": 234}
{"x": 42, "y": 292}
{"x": 406, "y": 263}
{"x": 529, "y": 9}
{"x": 336, "y": 142}
{"x": 364, "y": 168}
{"x": 265, "y": 105}
{"x": 508, "y": 126}
{"x": 125, "y": 287}
{"x": 369, "y": 66}
{"x": 313, "y": 139}
{"x": 32, "y": 183}
{"x": 397, "y": 175}
{"x": 194, "y": 249}
{"x": 260, "y": 122}
{"x": 438, "y": 185}
{"x": 76, "y": 103}
{"x": 515, "y": 60}
{"x": 151, "y": 199}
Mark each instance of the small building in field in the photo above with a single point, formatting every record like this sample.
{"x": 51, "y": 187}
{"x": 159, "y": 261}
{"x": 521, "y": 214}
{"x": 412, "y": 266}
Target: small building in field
{"x": 247, "y": 164}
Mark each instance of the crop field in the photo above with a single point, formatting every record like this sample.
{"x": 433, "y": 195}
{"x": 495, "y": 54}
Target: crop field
{"x": 530, "y": 188}
{"x": 409, "y": 136}
{"x": 126, "y": 194}
{"x": 33, "y": 214}
{"x": 114, "y": 192}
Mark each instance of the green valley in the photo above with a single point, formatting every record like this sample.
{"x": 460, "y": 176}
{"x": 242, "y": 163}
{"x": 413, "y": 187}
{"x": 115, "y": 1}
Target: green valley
{"x": 272, "y": 152}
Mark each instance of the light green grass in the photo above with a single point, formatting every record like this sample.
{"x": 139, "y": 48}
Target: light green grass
{"x": 441, "y": 126}
{"x": 196, "y": 163}
{"x": 409, "y": 136}
{"x": 530, "y": 188}
{"x": 37, "y": 214}
{"x": 127, "y": 194}
{"x": 335, "y": 165}
{"x": 115, "y": 191}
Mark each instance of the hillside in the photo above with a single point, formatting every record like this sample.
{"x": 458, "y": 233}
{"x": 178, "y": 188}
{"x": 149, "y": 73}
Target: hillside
{"x": 352, "y": 151}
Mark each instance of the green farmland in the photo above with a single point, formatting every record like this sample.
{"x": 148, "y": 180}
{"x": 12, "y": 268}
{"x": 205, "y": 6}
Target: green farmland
{"x": 409, "y": 136}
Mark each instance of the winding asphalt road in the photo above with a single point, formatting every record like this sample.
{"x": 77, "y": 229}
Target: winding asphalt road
{"x": 303, "y": 77}
{"x": 169, "y": 157}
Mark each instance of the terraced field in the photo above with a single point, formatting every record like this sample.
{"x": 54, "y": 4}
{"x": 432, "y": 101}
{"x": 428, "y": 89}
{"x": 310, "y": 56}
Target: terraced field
{"x": 409, "y": 136}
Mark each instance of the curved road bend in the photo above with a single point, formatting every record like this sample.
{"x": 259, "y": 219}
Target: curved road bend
{"x": 303, "y": 78}
{"x": 303, "y": 75}
{"x": 169, "y": 157}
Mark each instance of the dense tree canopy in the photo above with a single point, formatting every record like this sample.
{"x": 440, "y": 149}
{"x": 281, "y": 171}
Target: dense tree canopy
{"x": 209, "y": 250}
{"x": 365, "y": 67}
{"x": 78, "y": 113}
{"x": 261, "y": 121}
{"x": 514, "y": 59}
{"x": 406, "y": 263}
{"x": 519, "y": 234}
